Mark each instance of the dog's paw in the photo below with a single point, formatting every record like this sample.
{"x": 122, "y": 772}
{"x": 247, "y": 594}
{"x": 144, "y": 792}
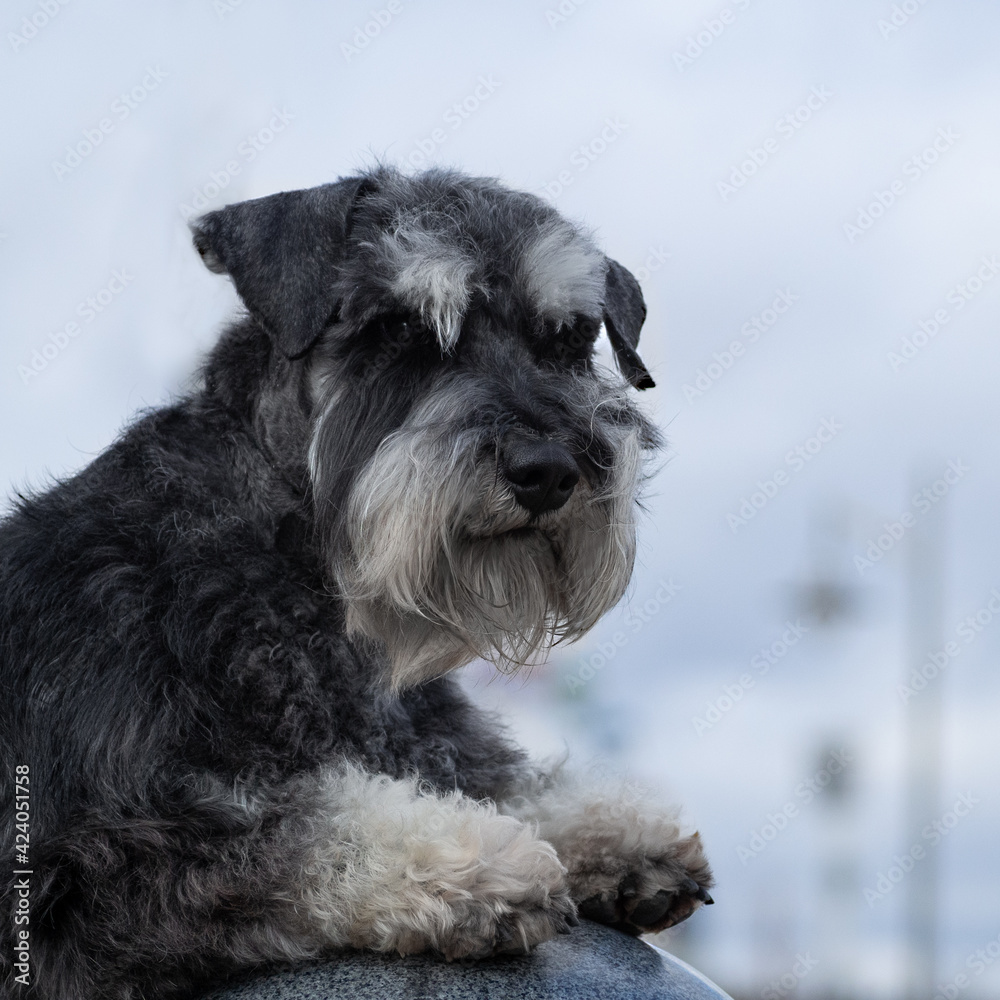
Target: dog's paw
{"x": 506, "y": 897}
{"x": 644, "y": 891}
{"x": 484, "y": 928}
{"x": 627, "y": 863}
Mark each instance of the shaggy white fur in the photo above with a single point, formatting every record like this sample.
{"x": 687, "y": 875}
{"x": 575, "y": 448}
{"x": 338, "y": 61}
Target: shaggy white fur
{"x": 564, "y": 273}
{"x": 432, "y": 276}
{"x": 397, "y": 868}
{"x": 444, "y": 565}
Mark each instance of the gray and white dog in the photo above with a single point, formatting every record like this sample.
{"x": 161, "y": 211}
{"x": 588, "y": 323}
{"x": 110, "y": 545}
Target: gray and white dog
{"x": 226, "y": 643}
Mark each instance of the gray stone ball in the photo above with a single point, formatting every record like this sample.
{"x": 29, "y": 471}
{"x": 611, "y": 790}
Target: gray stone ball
{"x": 591, "y": 962}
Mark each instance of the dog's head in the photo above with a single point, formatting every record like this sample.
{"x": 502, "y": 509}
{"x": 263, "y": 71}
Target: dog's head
{"x": 473, "y": 473}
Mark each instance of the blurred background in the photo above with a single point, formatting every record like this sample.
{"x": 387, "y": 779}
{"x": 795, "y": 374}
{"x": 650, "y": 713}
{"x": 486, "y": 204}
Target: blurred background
{"x": 809, "y": 195}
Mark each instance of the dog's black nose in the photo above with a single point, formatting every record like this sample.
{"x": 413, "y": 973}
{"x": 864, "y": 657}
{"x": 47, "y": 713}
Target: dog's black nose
{"x": 542, "y": 474}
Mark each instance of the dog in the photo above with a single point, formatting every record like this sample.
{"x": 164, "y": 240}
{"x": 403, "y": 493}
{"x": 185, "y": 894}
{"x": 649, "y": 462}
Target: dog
{"x": 229, "y": 721}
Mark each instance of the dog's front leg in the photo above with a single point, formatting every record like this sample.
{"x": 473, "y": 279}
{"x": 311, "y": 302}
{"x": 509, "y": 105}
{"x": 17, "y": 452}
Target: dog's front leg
{"x": 152, "y": 906}
{"x": 401, "y": 869}
{"x": 627, "y": 862}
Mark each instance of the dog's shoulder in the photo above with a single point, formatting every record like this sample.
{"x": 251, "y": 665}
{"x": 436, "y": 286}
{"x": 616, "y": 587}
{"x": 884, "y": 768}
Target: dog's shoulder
{"x": 145, "y": 591}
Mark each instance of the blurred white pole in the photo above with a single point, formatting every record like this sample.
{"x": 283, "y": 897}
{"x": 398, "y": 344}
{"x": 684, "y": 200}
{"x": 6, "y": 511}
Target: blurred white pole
{"x": 831, "y": 603}
{"x": 923, "y": 749}
{"x": 837, "y": 943}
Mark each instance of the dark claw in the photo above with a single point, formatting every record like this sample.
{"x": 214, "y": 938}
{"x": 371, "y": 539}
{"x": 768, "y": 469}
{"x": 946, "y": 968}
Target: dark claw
{"x": 572, "y": 919}
{"x": 693, "y": 889}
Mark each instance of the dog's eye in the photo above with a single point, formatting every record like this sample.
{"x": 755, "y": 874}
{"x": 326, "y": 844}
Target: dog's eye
{"x": 397, "y": 331}
{"x": 402, "y": 329}
{"x": 391, "y": 339}
{"x": 574, "y": 342}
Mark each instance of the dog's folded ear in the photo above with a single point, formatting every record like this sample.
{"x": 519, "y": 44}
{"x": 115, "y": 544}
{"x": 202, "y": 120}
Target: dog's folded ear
{"x": 624, "y": 314}
{"x": 283, "y": 253}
